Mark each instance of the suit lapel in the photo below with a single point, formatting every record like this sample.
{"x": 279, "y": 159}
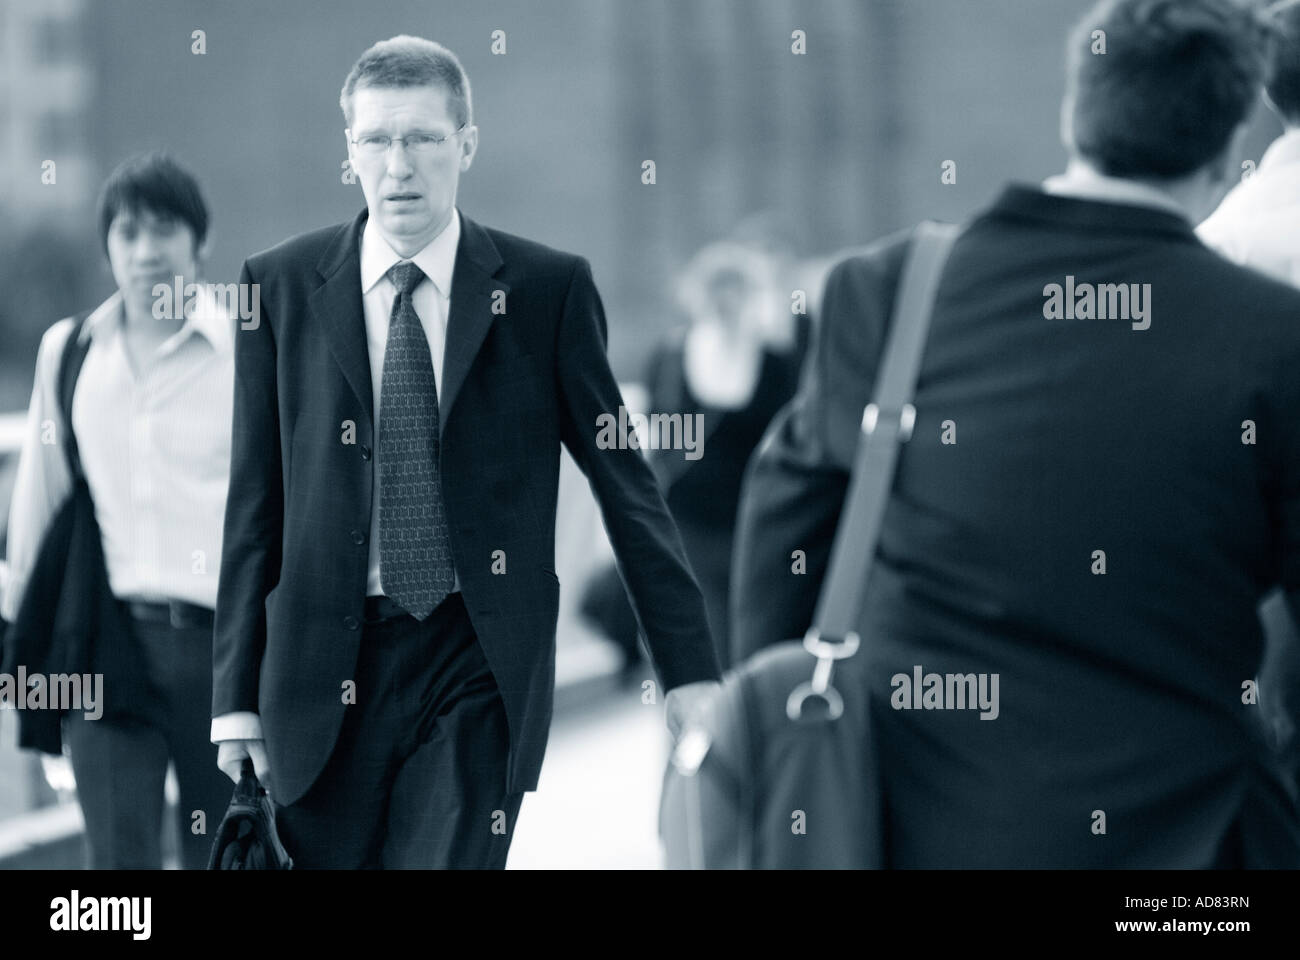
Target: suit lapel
{"x": 470, "y": 316}
{"x": 337, "y": 305}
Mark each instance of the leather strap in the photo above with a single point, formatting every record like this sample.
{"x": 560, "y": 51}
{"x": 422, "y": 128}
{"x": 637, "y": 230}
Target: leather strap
{"x": 74, "y": 355}
{"x": 887, "y": 422}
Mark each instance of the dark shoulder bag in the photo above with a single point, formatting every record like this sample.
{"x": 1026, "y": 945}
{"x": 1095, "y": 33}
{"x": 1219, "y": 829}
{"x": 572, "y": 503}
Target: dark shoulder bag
{"x": 35, "y": 640}
{"x": 783, "y": 775}
{"x": 68, "y": 621}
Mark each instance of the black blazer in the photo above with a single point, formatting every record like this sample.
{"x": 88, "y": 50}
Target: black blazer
{"x": 1120, "y": 693}
{"x": 516, "y": 385}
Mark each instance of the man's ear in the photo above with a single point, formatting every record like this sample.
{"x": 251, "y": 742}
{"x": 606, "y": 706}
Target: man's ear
{"x": 347, "y": 139}
{"x": 1067, "y": 121}
{"x": 469, "y": 147}
{"x": 1268, "y": 102}
{"x": 1218, "y": 177}
{"x": 202, "y": 252}
{"x": 1230, "y": 168}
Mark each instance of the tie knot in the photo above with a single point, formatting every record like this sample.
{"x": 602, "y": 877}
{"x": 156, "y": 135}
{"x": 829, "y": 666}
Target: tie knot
{"x": 406, "y": 276}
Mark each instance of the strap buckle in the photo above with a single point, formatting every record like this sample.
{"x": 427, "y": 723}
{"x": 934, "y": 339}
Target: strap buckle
{"x": 906, "y": 418}
{"x": 820, "y": 685}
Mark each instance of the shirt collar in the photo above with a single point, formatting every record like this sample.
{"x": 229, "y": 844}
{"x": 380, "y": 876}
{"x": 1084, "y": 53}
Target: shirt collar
{"x": 437, "y": 260}
{"x": 205, "y": 314}
{"x": 1031, "y": 203}
{"x": 1284, "y": 150}
{"x": 106, "y": 318}
{"x": 212, "y": 318}
{"x": 1082, "y": 180}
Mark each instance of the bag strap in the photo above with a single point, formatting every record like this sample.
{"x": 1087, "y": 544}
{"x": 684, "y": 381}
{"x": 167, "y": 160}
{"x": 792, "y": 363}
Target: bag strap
{"x": 886, "y": 423}
{"x": 74, "y": 355}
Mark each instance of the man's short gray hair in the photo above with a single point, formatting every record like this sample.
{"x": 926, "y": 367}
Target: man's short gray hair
{"x": 407, "y": 61}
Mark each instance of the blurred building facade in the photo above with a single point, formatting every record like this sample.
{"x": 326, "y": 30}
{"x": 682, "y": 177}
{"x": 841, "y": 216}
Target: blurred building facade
{"x": 45, "y": 101}
{"x": 833, "y": 145}
{"x": 48, "y": 170}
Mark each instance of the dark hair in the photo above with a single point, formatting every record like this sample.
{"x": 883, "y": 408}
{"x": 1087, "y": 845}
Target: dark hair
{"x": 1284, "y": 63}
{"x": 407, "y": 61}
{"x": 1176, "y": 78}
{"x": 155, "y": 182}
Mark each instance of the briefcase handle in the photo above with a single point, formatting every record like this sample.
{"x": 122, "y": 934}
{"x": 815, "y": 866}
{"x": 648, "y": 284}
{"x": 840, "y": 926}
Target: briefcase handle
{"x": 249, "y": 788}
{"x": 886, "y": 424}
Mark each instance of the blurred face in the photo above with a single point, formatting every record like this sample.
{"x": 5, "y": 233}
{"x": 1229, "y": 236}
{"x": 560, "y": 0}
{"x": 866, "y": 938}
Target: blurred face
{"x": 730, "y": 295}
{"x": 145, "y": 248}
{"x": 410, "y": 192}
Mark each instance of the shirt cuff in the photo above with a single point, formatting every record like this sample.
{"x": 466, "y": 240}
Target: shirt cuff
{"x": 241, "y": 725}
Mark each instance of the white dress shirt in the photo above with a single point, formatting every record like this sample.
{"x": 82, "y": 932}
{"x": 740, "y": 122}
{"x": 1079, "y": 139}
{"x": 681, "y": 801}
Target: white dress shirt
{"x": 1255, "y": 225}
{"x": 155, "y": 449}
{"x": 432, "y": 301}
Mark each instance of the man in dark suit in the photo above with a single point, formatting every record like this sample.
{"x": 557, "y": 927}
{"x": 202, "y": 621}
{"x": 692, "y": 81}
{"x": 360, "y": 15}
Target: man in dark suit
{"x": 1102, "y": 481}
{"x": 385, "y": 627}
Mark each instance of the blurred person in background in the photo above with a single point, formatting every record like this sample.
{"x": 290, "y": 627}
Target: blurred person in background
{"x": 151, "y": 419}
{"x": 1258, "y": 225}
{"x": 735, "y": 364}
{"x": 1092, "y": 501}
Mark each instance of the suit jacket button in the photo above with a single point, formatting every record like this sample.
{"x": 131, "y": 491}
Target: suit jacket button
{"x": 350, "y": 622}
{"x": 365, "y": 452}
{"x": 358, "y": 537}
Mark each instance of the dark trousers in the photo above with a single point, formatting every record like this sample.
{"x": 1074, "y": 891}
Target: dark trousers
{"x": 417, "y": 778}
{"x": 120, "y": 767}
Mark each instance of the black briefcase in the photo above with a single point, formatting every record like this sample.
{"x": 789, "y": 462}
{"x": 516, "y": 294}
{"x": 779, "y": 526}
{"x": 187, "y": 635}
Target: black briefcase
{"x": 247, "y": 839}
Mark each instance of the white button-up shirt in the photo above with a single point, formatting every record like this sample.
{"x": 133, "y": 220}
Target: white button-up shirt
{"x": 432, "y": 302}
{"x": 155, "y": 449}
{"x": 1255, "y": 225}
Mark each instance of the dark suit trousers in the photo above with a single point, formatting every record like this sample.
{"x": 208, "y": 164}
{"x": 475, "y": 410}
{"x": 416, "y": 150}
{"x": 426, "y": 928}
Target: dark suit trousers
{"x": 121, "y": 766}
{"x": 418, "y": 774}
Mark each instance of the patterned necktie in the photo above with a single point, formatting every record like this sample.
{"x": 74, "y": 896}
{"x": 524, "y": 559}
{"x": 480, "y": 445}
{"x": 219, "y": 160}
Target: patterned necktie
{"x": 415, "y": 563}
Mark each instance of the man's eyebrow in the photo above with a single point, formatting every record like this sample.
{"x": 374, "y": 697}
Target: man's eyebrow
{"x": 371, "y": 131}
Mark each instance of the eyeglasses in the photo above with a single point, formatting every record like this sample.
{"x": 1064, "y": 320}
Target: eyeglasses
{"x": 377, "y": 144}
